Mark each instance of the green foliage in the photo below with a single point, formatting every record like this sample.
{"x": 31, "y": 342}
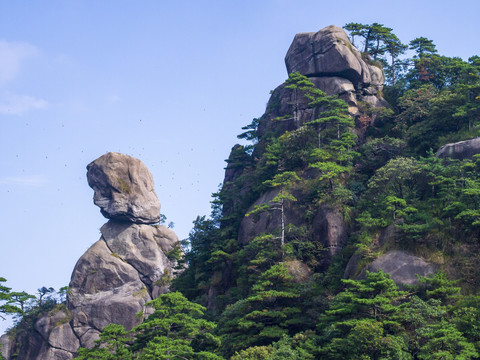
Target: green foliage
{"x": 6, "y": 300}
{"x": 175, "y": 329}
{"x": 359, "y": 321}
{"x": 264, "y": 316}
{"x": 112, "y": 345}
{"x": 273, "y": 296}
{"x": 422, "y": 46}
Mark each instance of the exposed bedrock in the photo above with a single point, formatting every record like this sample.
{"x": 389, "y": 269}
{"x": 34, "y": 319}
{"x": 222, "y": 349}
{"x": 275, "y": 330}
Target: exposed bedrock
{"x": 327, "y": 52}
{"x": 328, "y": 226}
{"x": 460, "y": 150}
{"x": 123, "y": 189}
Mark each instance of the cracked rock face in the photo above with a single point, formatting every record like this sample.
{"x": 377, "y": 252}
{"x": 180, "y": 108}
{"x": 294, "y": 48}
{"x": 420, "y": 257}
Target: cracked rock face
{"x": 327, "y": 52}
{"x": 114, "y": 279}
{"x": 123, "y": 189}
{"x": 460, "y": 150}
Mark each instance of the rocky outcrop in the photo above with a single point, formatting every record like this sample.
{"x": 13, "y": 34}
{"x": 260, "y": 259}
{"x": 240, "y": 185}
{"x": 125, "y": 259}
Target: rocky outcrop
{"x": 336, "y": 67}
{"x": 114, "y": 279}
{"x": 403, "y": 267}
{"x": 328, "y": 226}
{"x": 460, "y": 150}
{"x": 123, "y": 189}
{"x": 128, "y": 266}
{"x": 333, "y": 65}
{"x": 327, "y": 52}
{"x": 330, "y": 230}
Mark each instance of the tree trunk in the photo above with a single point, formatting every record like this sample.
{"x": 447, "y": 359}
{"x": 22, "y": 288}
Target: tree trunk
{"x": 393, "y": 71}
{"x": 283, "y": 227}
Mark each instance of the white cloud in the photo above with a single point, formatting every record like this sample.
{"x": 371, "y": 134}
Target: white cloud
{"x": 11, "y": 56}
{"x": 11, "y": 104}
{"x": 27, "y": 180}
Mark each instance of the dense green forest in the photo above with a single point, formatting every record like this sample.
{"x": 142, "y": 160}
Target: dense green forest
{"x": 279, "y": 296}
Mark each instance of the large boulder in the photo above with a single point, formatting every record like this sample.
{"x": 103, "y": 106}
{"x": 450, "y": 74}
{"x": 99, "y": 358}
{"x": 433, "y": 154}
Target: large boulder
{"x": 114, "y": 279}
{"x": 123, "y": 189}
{"x": 403, "y": 267}
{"x": 327, "y": 52}
{"x": 460, "y": 150}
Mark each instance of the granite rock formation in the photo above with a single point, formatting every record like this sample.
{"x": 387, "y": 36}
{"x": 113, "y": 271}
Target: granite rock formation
{"x": 117, "y": 275}
{"x": 327, "y": 52}
{"x": 460, "y": 150}
{"x": 334, "y": 65}
{"x": 123, "y": 189}
{"x": 403, "y": 267}
{"x": 329, "y": 228}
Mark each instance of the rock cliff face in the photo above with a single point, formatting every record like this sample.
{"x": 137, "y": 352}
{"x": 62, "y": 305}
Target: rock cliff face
{"x": 118, "y": 274}
{"x": 460, "y": 150}
{"x": 329, "y": 229}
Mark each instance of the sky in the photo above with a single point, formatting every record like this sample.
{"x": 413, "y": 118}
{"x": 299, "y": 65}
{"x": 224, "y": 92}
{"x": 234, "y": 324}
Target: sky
{"x": 168, "y": 82}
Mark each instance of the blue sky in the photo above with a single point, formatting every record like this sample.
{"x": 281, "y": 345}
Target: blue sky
{"x": 171, "y": 83}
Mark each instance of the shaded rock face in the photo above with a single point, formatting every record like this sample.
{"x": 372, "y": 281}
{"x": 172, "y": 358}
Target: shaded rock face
{"x": 111, "y": 282}
{"x": 327, "y": 53}
{"x": 25, "y": 346}
{"x": 123, "y": 189}
{"x": 268, "y": 221}
{"x": 403, "y": 267}
{"x": 460, "y": 150}
{"x": 329, "y": 228}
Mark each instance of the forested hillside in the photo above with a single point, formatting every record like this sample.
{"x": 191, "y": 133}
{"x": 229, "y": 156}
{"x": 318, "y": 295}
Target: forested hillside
{"x": 341, "y": 193}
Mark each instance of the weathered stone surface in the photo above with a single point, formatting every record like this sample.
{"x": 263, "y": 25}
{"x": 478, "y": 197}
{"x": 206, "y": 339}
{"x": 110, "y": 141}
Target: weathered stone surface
{"x": 56, "y": 354}
{"x": 377, "y": 79}
{"x": 123, "y": 189}
{"x": 403, "y": 267}
{"x": 329, "y": 227}
{"x": 62, "y": 337}
{"x": 327, "y": 52}
{"x": 143, "y": 247}
{"x": 47, "y": 322}
{"x": 460, "y": 150}
{"x": 333, "y": 85}
{"x": 6, "y": 343}
{"x": 374, "y": 101}
{"x": 115, "y": 277}
{"x": 105, "y": 289}
{"x": 99, "y": 270}
{"x": 27, "y": 345}
{"x": 267, "y": 221}
{"x": 330, "y": 230}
